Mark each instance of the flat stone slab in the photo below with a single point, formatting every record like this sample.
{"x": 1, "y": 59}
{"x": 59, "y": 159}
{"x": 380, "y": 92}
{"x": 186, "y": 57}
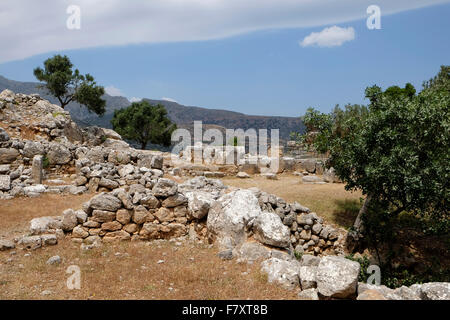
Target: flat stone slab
{"x": 5, "y": 182}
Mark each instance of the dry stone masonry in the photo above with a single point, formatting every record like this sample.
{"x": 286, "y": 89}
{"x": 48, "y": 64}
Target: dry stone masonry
{"x": 133, "y": 201}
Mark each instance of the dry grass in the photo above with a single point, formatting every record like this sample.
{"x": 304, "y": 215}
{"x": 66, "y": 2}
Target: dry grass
{"x": 130, "y": 270}
{"x": 127, "y": 270}
{"x": 331, "y": 201}
{"x": 15, "y": 214}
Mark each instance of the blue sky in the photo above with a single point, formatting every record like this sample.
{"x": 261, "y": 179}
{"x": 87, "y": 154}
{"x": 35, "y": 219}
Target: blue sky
{"x": 267, "y": 72}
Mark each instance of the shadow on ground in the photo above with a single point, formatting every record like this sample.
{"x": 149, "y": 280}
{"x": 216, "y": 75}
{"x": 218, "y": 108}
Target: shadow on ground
{"x": 346, "y": 212}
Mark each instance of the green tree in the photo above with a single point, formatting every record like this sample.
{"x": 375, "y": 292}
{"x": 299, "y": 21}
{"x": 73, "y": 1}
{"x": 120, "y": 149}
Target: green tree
{"x": 144, "y": 123}
{"x": 69, "y": 85}
{"x": 396, "y": 150}
{"x": 441, "y": 81}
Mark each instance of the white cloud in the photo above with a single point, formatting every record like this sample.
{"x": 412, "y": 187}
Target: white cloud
{"x": 169, "y": 99}
{"x": 113, "y": 91}
{"x": 30, "y": 27}
{"x": 329, "y": 37}
{"x": 134, "y": 99}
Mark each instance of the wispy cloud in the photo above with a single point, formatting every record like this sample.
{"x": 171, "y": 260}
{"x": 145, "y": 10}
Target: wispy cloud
{"x": 329, "y": 37}
{"x": 32, "y": 27}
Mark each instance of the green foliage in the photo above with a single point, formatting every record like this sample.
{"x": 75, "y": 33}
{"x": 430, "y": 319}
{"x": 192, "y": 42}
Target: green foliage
{"x": 144, "y": 123}
{"x": 441, "y": 81}
{"x": 396, "y": 149}
{"x": 395, "y": 92}
{"x": 55, "y": 114}
{"x": 69, "y": 85}
{"x": 364, "y": 263}
{"x": 45, "y": 162}
{"x": 234, "y": 142}
{"x": 298, "y": 255}
{"x": 403, "y": 277}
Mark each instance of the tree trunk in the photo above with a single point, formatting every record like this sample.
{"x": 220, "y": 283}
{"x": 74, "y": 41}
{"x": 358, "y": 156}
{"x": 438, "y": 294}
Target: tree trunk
{"x": 358, "y": 225}
{"x": 354, "y": 237}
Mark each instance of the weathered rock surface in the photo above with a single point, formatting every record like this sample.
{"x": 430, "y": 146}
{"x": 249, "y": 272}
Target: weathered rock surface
{"x": 231, "y": 215}
{"x": 106, "y": 202}
{"x": 337, "y": 277}
{"x": 269, "y": 229}
{"x": 282, "y": 271}
{"x": 308, "y": 294}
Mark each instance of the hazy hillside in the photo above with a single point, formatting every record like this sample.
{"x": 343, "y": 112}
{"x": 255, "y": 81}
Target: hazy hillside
{"x": 180, "y": 114}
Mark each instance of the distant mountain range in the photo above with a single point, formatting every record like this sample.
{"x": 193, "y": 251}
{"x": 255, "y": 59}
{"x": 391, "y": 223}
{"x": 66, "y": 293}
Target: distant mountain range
{"x": 182, "y": 115}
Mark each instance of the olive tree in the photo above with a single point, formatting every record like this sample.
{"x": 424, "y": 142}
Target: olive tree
{"x": 69, "y": 85}
{"x": 396, "y": 151}
{"x": 144, "y": 123}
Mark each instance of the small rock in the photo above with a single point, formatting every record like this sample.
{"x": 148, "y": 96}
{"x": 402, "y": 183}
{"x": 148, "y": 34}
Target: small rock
{"x": 54, "y": 260}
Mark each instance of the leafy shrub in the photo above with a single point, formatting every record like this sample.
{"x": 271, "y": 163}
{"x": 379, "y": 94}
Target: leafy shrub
{"x": 364, "y": 263}
{"x": 45, "y": 162}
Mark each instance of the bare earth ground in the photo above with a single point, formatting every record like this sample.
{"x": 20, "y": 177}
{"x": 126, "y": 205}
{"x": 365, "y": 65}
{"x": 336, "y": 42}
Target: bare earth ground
{"x": 130, "y": 270}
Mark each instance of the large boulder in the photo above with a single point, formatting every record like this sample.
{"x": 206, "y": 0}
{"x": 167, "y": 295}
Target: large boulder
{"x": 4, "y": 136}
{"x": 105, "y": 202}
{"x": 35, "y": 189}
{"x": 69, "y": 221}
{"x": 176, "y": 200}
{"x": 309, "y": 165}
{"x": 337, "y": 277}
{"x": 165, "y": 188}
{"x": 58, "y": 154}
{"x": 231, "y": 215}
{"x": 199, "y": 203}
{"x": 374, "y": 292}
{"x": 284, "y": 272}
{"x": 157, "y": 162}
{"x": 6, "y": 245}
{"x": 5, "y": 182}
{"x": 8, "y": 155}
{"x": 72, "y": 132}
{"x": 111, "y": 134}
{"x": 145, "y": 160}
{"x": 97, "y": 154}
{"x": 269, "y": 229}
{"x": 119, "y": 157}
{"x": 252, "y": 251}
{"x": 433, "y": 290}
{"x": 308, "y": 294}
{"x": 108, "y": 183}
{"x": 7, "y": 95}
{"x": 93, "y": 136}
{"x": 307, "y": 275}
{"x": 44, "y": 224}
{"x": 33, "y": 148}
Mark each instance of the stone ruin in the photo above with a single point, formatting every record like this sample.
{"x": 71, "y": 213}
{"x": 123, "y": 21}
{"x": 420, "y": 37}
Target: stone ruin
{"x": 246, "y": 224}
{"x": 135, "y": 203}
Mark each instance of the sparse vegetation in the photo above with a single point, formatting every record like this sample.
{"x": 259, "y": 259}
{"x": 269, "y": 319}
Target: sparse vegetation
{"x": 45, "y": 162}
